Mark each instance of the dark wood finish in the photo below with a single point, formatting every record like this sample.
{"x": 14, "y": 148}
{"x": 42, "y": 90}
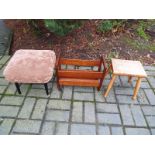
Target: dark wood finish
{"x": 78, "y": 82}
{"x": 105, "y": 72}
{"x": 79, "y": 62}
{"x": 79, "y": 74}
{"x": 18, "y": 88}
{"x": 58, "y": 66}
{"x": 81, "y": 77}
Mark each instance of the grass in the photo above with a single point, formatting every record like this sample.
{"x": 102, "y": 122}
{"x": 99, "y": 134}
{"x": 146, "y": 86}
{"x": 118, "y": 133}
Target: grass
{"x": 140, "y": 45}
{"x": 144, "y": 43}
{"x": 142, "y": 26}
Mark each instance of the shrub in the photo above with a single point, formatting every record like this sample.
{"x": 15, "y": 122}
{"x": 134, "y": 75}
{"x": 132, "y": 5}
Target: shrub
{"x": 35, "y": 24}
{"x": 106, "y": 26}
{"x": 61, "y": 27}
{"x": 109, "y": 25}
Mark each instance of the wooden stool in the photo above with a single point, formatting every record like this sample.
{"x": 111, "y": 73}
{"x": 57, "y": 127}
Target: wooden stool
{"x": 127, "y": 68}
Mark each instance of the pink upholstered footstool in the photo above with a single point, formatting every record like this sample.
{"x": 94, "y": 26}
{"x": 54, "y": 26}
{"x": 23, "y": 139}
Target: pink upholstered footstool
{"x": 30, "y": 66}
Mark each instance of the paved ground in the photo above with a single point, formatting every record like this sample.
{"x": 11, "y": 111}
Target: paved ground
{"x": 77, "y": 110}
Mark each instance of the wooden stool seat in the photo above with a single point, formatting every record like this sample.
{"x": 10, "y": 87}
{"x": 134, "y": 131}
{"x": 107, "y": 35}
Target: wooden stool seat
{"x": 127, "y": 68}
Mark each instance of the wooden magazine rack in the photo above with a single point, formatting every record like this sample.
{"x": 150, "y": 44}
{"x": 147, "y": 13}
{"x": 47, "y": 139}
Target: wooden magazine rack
{"x": 78, "y": 77}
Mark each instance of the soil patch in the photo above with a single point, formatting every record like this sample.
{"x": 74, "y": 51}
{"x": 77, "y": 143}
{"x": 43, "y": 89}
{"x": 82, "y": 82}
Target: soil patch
{"x": 83, "y": 43}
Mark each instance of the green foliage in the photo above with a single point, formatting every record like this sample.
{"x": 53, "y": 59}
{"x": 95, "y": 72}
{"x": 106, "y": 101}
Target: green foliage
{"x": 106, "y": 26}
{"x": 141, "y": 30}
{"x": 61, "y": 27}
{"x": 109, "y": 25}
{"x": 34, "y": 23}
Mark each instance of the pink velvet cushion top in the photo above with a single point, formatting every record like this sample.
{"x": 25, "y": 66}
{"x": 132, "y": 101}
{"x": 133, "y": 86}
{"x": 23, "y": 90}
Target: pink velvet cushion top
{"x": 30, "y": 66}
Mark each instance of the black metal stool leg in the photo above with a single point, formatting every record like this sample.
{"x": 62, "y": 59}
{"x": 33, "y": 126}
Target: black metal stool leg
{"x": 18, "y": 88}
{"x": 46, "y": 88}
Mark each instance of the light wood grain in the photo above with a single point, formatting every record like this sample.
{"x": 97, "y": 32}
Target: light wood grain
{"x": 137, "y": 88}
{"x": 129, "y": 79}
{"x": 128, "y": 68}
{"x": 110, "y": 85}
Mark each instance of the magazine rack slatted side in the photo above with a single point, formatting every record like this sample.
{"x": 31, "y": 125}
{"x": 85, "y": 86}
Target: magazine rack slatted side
{"x": 78, "y": 77}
